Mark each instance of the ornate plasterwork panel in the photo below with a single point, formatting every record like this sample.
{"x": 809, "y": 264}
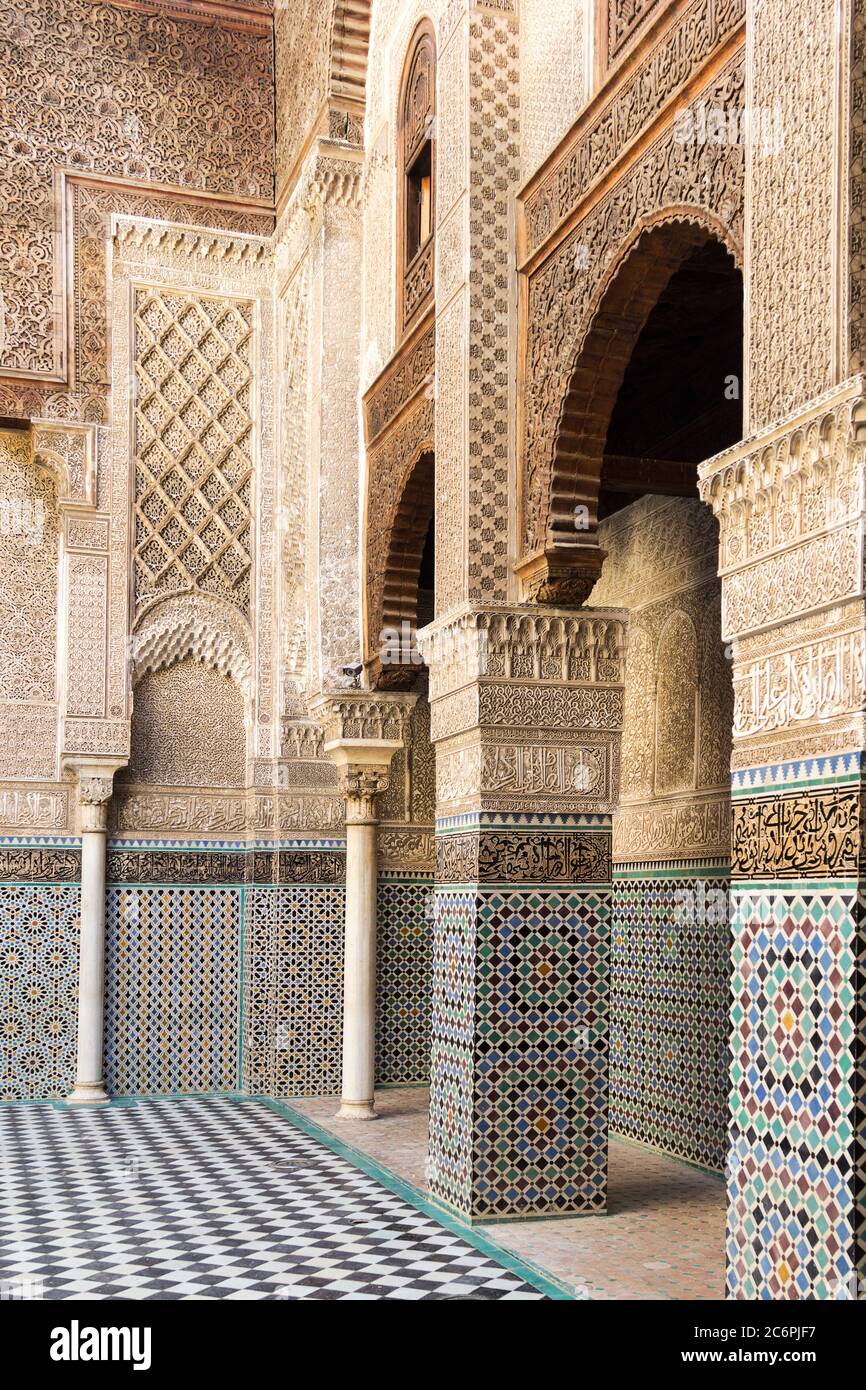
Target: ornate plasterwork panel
{"x": 604, "y": 132}
{"x": 553, "y": 60}
{"x": 526, "y": 710}
{"x": 214, "y": 290}
{"x": 789, "y": 503}
{"x": 90, "y": 205}
{"x": 674, "y": 181}
{"x": 494, "y": 171}
{"x": 194, "y": 625}
{"x": 793, "y": 76}
{"x": 661, "y": 561}
{"x": 29, "y": 542}
{"x": 188, "y": 729}
{"x": 809, "y": 674}
{"x": 294, "y": 420}
{"x": 302, "y": 35}
{"x": 93, "y": 80}
{"x": 193, "y": 446}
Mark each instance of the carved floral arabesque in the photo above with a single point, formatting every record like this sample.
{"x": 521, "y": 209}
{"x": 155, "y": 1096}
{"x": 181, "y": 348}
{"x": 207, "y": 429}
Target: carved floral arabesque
{"x": 493, "y": 110}
{"x": 792, "y": 250}
{"x": 673, "y": 181}
{"x": 125, "y": 93}
{"x": 29, "y": 540}
{"x": 213, "y": 272}
{"x": 675, "y": 58}
{"x": 624, "y": 18}
{"x": 188, "y": 728}
{"x": 293, "y": 353}
{"x": 789, "y": 504}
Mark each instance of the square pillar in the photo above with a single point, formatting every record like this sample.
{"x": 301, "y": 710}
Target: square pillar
{"x": 526, "y": 717}
{"x": 790, "y": 507}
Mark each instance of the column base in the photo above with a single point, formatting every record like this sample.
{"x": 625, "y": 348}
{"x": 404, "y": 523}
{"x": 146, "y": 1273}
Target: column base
{"x": 88, "y": 1093}
{"x": 356, "y": 1110}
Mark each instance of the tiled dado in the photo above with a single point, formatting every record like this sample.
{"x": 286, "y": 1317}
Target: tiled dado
{"x": 518, "y": 1106}
{"x": 670, "y": 1001}
{"x": 404, "y": 968}
{"x": 796, "y": 1218}
{"x": 224, "y": 967}
{"x": 39, "y": 928}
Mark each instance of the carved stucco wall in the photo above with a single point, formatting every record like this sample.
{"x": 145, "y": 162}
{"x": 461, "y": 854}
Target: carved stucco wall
{"x": 302, "y": 32}
{"x": 29, "y": 550}
{"x": 554, "y": 39}
{"x": 793, "y": 48}
{"x": 670, "y": 947}
{"x": 188, "y": 729}
{"x": 125, "y": 91}
{"x": 661, "y": 565}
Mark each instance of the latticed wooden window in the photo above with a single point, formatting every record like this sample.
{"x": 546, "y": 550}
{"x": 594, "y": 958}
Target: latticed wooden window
{"x": 417, "y": 178}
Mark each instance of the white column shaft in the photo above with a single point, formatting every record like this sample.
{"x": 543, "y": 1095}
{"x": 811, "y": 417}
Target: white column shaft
{"x": 89, "y": 1083}
{"x": 359, "y": 974}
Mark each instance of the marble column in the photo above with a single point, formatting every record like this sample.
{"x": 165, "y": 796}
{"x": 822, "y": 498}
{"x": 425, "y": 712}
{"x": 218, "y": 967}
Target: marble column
{"x": 362, "y": 732}
{"x": 360, "y": 784}
{"x": 94, "y": 797}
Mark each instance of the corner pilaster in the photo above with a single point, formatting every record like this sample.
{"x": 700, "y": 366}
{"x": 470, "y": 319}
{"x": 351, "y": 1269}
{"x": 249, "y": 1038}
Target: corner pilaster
{"x": 526, "y": 716}
{"x": 790, "y": 506}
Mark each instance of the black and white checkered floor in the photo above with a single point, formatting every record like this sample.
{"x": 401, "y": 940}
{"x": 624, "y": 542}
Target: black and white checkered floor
{"x": 210, "y": 1199}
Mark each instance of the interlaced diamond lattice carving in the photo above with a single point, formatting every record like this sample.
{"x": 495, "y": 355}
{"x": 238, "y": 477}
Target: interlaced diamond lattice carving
{"x": 193, "y": 446}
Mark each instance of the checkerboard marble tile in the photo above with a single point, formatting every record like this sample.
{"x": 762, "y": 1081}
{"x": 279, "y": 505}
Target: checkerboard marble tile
{"x": 214, "y": 1198}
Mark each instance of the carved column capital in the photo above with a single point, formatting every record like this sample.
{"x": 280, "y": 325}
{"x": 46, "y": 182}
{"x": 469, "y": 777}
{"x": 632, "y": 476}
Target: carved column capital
{"x": 360, "y": 784}
{"x": 362, "y": 732}
{"x": 95, "y": 787}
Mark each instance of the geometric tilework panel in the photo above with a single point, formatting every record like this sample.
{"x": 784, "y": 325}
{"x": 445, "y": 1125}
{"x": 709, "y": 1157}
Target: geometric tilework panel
{"x": 404, "y": 965}
{"x": 293, "y": 997}
{"x": 39, "y": 926}
{"x": 541, "y": 1051}
{"x": 796, "y": 1163}
{"x": 670, "y": 999}
{"x": 451, "y": 1054}
{"x": 172, "y": 1007}
{"x": 518, "y": 1115}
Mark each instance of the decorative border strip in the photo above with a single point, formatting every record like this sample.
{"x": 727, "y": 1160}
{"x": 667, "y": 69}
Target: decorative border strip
{"x": 493, "y": 820}
{"x": 838, "y": 769}
{"x": 40, "y": 842}
{"x": 122, "y": 842}
{"x": 673, "y": 868}
{"x": 41, "y": 864}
